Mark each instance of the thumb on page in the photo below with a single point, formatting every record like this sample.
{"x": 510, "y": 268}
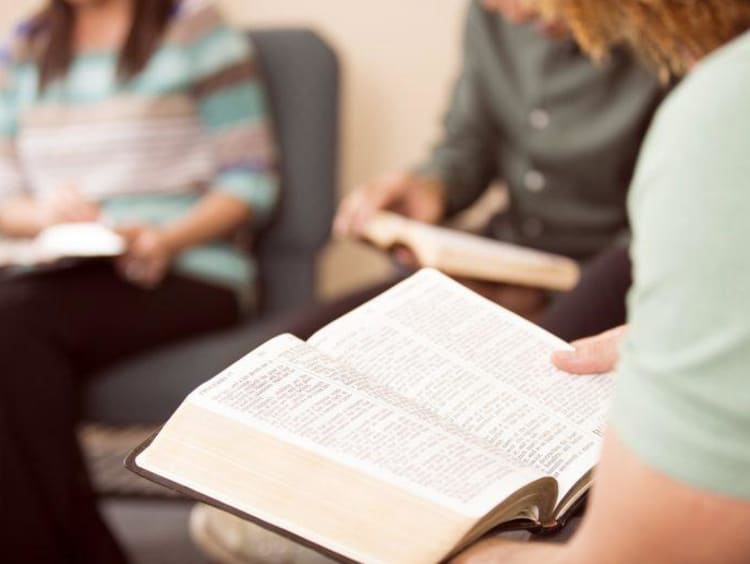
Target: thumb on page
{"x": 593, "y": 355}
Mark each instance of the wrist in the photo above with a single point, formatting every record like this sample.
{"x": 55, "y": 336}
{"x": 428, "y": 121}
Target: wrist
{"x": 439, "y": 190}
{"x": 433, "y": 192}
{"x": 24, "y": 218}
{"x": 41, "y": 218}
{"x": 170, "y": 240}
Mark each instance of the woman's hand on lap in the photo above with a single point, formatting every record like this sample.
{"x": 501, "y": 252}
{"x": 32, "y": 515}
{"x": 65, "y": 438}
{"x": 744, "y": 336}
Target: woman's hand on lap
{"x": 148, "y": 257}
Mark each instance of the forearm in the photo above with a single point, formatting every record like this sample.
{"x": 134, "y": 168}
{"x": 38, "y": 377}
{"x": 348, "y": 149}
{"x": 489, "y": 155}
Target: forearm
{"x": 214, "y": 216}
{"x": 20, "y": 216}
{"x": 499, "y": 551}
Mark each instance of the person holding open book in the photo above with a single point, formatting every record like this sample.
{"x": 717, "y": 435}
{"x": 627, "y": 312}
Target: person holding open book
{"x": 673, "y": 484}
{"x": 149, "y": 115}
{"x": 530, "y": 110}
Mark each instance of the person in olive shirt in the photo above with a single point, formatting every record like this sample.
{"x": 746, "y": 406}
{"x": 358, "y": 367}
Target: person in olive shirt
{"x": 673, "y": 482}
{"x": 530, "y": 109}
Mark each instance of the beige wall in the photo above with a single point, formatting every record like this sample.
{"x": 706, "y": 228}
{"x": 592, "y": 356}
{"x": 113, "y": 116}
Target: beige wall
{"x": 399, "y": 57}
{"x": 10, "y": 11}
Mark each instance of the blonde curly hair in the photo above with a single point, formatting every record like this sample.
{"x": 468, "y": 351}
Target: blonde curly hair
{"x": 670, "y": 34}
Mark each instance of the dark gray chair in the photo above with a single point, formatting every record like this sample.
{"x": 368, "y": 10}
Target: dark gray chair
{"x": 302, "y": 76}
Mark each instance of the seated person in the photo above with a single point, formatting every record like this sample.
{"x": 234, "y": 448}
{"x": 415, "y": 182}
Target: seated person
{"x": 531, "y": 110}
{"x": 148, "y": 114}
{"x": 673, "y": 485}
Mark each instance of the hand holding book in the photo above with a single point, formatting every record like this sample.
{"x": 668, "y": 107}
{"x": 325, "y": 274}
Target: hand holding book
{"x": 593, "y": 355}
{"x": 416, "y": 197}
{"x": 469, "y": 256}
{"x": 429, "y": 405}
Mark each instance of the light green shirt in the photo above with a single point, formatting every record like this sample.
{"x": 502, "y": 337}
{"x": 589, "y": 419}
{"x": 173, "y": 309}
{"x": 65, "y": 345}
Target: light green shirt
{"x": 683, "y": 396}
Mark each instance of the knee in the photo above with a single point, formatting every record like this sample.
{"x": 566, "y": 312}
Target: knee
{"x": 33, "y": 372}
{"x": 30, "y": 346}
{"x": 20, "y": 323}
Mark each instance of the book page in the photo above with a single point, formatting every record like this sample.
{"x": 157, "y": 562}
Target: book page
{"x": 17, "y": 253}
{"x": 448, "y": 239}
{"x": 386, "y": 228}
{"x": 480, "y": 367}
{"x": 71, "y": 240}
{"x": 295, "y": 393}
{"x": 312, "y": 498}
{"x": 465, "y": 254}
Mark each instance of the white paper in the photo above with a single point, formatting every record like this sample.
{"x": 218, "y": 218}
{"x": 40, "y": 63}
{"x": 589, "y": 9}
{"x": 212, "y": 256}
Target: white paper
{"x": 80, "y": 240}
{"x": 480, "y": 367}
{"x": 292, "y": 391}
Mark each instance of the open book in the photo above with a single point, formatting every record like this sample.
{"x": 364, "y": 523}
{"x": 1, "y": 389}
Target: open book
{"x": 471, "y": 256}
{"x": 64, "y": 241}
{"x": 401, "y": 432}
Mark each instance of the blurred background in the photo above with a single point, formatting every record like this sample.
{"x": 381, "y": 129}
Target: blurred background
{"x": 391, "y": 112}
{"x": 397, "y": 61}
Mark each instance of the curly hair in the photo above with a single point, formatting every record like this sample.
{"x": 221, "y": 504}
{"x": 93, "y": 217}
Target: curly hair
{"x": 670, "y": 34}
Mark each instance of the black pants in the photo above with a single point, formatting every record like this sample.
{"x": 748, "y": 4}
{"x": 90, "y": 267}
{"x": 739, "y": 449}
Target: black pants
{"x": 595, "y": 305}
{"x": 56, "y": 327}
{"x": 598, "y": 302}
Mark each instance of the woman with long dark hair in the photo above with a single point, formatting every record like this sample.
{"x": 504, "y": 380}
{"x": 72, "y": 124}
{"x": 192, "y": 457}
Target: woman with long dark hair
{"x": 148, "y": 114}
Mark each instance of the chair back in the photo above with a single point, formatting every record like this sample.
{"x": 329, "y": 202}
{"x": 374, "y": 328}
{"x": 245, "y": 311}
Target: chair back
{"x": 301, "y": 73}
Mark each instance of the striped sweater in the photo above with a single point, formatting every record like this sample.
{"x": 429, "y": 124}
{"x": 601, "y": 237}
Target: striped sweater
{"x": 195, "y": 119}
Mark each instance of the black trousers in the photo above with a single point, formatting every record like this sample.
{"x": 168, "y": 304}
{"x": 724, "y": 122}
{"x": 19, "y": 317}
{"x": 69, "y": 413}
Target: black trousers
{"x": 598, "y": 303}
{"x": 55, "y": 327}
{"x": 595, "y": 305}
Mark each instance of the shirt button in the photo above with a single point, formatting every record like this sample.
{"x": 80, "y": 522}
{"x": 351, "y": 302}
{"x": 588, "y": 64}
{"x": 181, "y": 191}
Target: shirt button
{"x": 532, "y": 227}
{"x": 539, "y": 119}
{"x": 534, "y": 181}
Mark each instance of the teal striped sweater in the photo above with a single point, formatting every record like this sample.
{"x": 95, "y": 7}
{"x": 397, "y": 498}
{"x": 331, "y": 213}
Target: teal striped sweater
{"x": 147, "y": 149}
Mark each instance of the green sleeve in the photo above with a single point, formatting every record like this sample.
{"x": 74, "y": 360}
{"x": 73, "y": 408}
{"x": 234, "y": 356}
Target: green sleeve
{"x": 464, "y": 160}
{"x": 683, "y": 390}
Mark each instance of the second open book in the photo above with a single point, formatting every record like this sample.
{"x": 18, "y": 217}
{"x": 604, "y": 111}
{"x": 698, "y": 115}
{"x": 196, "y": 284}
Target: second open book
{"x": 470, "y": 256}
{"x": 400, "y": 432}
